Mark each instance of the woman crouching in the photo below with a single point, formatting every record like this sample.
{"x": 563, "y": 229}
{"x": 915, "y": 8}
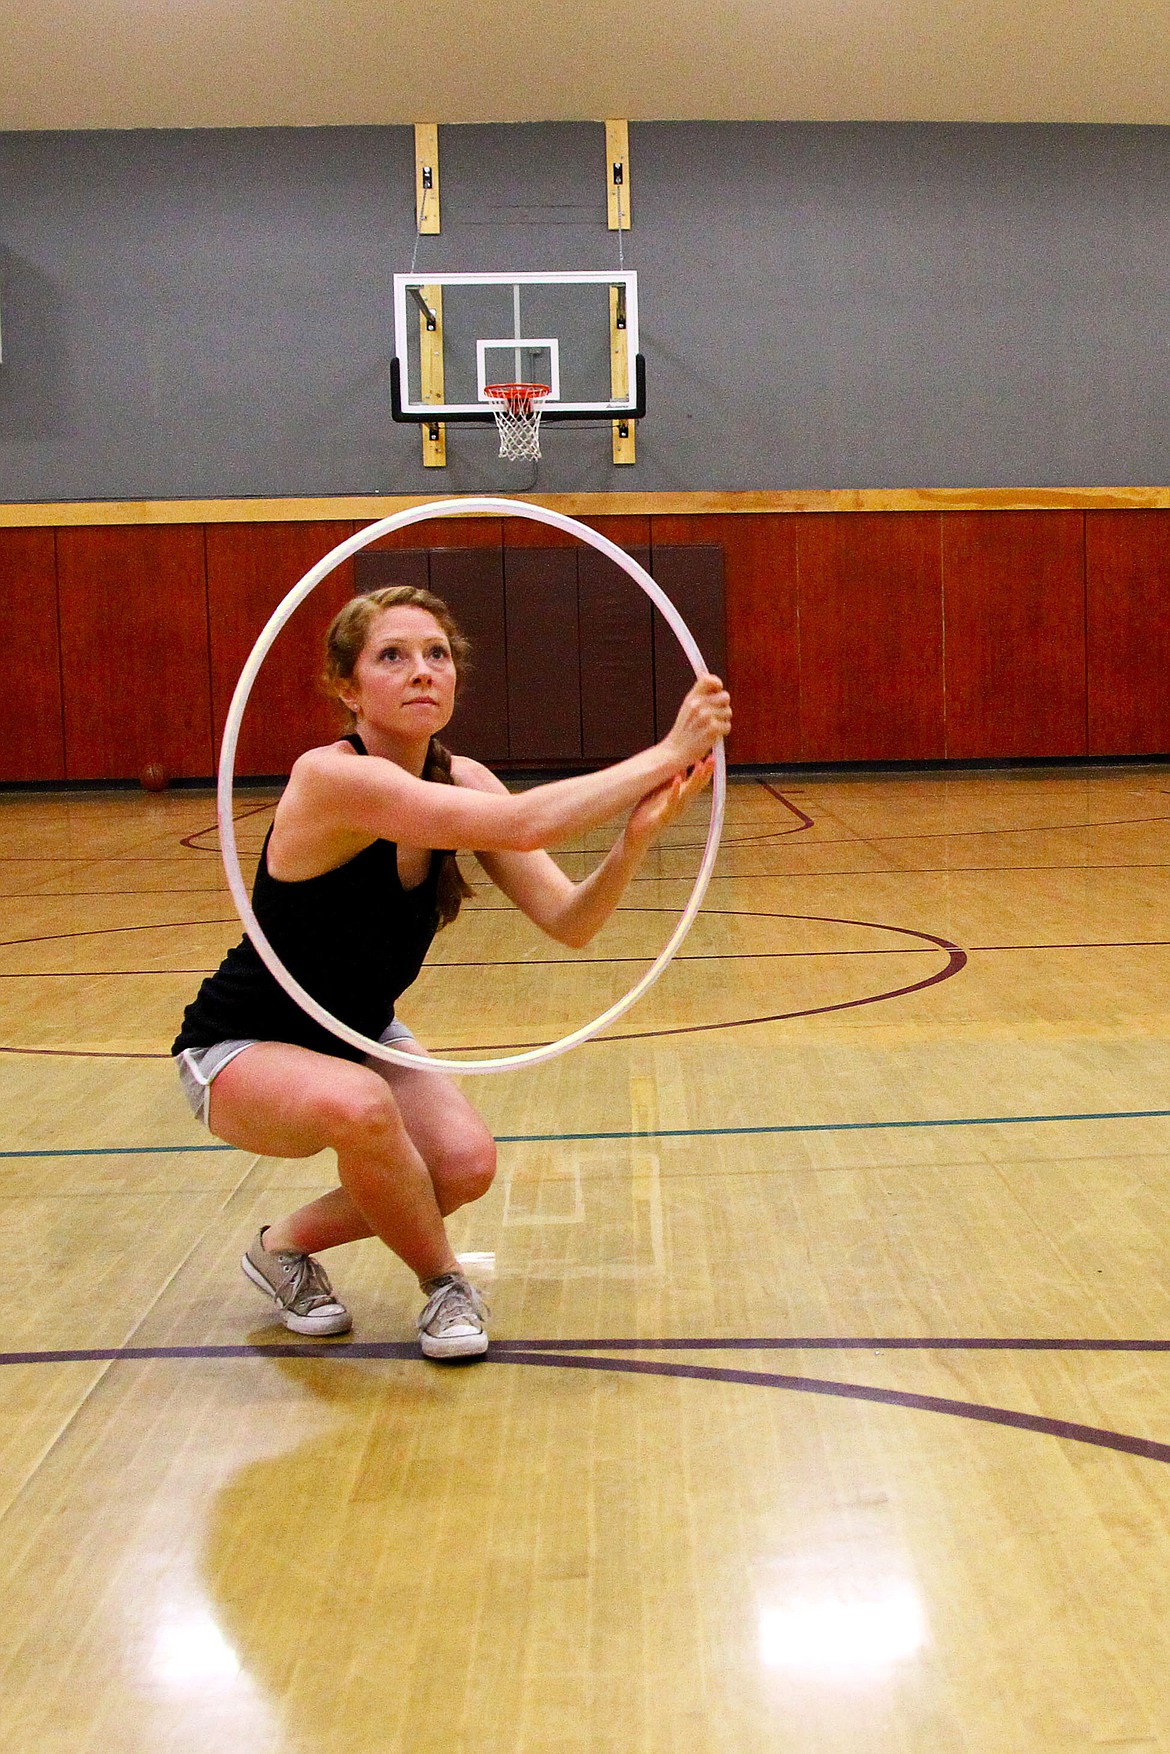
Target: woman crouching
{"x": 357, "y": 874}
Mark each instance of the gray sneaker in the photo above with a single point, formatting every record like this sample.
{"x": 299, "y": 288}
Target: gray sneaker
{"x": 299, "y": 1286}
{"x": 452, "y": 1322}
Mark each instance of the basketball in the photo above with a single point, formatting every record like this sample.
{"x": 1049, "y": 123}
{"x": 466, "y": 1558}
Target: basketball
{"x": 154, "y": 777}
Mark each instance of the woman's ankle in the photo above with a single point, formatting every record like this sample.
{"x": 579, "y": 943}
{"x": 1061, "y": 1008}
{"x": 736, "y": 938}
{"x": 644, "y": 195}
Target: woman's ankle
{"x": 275, "y": 1240}
{"x": 429, "y": 1282}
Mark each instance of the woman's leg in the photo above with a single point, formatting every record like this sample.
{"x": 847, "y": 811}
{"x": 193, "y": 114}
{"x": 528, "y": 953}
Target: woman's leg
{"x": 451, "y": 1136}
{"x": 286, "y": 1101}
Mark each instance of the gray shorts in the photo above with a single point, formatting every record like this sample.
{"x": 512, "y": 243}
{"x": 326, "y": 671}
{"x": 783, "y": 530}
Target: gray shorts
{"x": 199, "y": 1067}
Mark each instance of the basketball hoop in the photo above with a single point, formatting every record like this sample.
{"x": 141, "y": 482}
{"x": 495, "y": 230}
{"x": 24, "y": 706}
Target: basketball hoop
{"x": 517, "y": 408}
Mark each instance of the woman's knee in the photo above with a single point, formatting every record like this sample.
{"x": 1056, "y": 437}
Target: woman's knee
{"x": 465, "y": 1170}
{"x": 361, "y": 1114}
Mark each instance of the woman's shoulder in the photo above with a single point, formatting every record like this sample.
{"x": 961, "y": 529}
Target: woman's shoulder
{"x": 474, "y": 775}
{"x": 325, "y": 755}
{"x": 322, "y": 769}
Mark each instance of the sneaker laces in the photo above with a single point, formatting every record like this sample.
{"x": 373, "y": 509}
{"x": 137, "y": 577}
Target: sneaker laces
{"x": 305, "y": 1282}
{"x": 457, "y": 1302}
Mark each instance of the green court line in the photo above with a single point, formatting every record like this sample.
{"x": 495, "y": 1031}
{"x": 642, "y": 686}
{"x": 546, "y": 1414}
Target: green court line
{"x": 1115, "y": 1114}
{"x": 124, "y": 1151}
{"x": 1122, "y": 1114}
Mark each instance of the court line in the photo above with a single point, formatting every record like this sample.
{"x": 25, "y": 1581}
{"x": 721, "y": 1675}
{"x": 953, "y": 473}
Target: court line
{"x": 861, "y": 837}
{"x": 73, "y": 974}
{"x": 1135, "y": 1114}
{"x": 516, "y": 1352}
{"x": 955, "y": 963}
{"x": 1091, "y": 1434}
{"x": 111, "y": 931}
{"x": 240, "y": 816}
{"x": 381, "y": 1349}
{"x": 859, "y": 840}
{"x": 123, "y": 1151}
{"x": 803, "y": 819}
{"x": 1115, "y": 1114}
{"x": 721, "y": 913}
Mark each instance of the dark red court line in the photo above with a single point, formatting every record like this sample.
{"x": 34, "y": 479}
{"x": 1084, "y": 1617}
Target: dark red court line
{"x": 841, "y": 1343}
{"x": 804, "y": 820}
{"x": 486, "y": 888}
{"x": 72, "y": 974}
{"x": 544, "y": 1355}
{"x": 86, "y": 1053}
{"x": 1064, "y": 1428}
{"x": 601, "y": 1343}
{"x": 88, "y": 974}
{"x": 879, "y": 839}
{"x": 639, "y": 908}
{"x": 188, "y": 840}
{"x": 772, "y": 834}
{"x": 956, "y": 962}
{"x": 885, "y": 871}
{"x": 109, "y": 931}
{"x": 93, "y": 894}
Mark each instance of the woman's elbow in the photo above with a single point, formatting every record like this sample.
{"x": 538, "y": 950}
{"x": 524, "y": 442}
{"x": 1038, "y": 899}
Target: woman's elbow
{"x": 526, "y": 833}
{"x": 573, "y": 937}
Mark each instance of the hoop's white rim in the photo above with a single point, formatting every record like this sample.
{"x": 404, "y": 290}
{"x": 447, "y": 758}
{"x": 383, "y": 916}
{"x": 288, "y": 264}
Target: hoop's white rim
{"x": 447, "y": 508}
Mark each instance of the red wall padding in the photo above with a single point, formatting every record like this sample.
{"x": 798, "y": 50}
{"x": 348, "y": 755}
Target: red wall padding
{"x": 135, "y": 664}
{"x": 761, "y": 588}
{"x": 850, "y": 636}
{"x": 32, "y": 731}
{"x": 1127, "y": 576}
{"x": 1014, "y": 596}
{"x": 871, "y": 637}
{"x": 250, "y": 568}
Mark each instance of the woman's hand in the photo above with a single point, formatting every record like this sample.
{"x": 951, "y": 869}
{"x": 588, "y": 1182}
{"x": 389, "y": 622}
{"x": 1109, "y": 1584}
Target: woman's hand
{"x": 703, "y": 717}
{"x": 659, "y": 808}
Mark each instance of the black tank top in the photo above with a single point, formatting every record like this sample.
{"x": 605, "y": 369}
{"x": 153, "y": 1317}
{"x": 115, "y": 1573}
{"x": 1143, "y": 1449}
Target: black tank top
{"x": 353, "y": 937}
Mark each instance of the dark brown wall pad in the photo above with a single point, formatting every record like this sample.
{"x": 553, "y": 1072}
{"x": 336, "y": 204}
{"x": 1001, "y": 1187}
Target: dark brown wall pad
{"x": 544, "y": 683}
{"x": 692, "y": 577}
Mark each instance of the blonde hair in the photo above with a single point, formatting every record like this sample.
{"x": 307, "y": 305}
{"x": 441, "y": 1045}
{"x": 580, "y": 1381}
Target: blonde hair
{"x": 345, "y": 641}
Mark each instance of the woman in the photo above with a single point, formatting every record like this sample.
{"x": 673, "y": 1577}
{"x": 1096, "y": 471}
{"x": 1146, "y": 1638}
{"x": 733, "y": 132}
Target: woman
{"x": 352, "y": 885}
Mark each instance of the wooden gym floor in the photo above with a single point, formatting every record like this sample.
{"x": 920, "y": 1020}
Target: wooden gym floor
{"x": 829, "y": 1403}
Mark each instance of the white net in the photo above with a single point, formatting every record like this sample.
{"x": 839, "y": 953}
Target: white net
{"x": 517, "y": 408}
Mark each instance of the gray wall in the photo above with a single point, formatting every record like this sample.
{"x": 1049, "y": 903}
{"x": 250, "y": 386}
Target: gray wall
{"x": 824, "y": 305}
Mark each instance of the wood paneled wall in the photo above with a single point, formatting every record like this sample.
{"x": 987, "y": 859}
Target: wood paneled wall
{"x": 851, "y": 636}
{"x": 32, "y": 730}
{"x": 134, "y": 651}
{"x": 248, "y": 572}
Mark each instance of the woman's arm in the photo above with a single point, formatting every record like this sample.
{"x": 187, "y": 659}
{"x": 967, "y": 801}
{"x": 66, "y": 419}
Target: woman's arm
{"x": 381, "y": 799}
{"x": 573, "y": 913}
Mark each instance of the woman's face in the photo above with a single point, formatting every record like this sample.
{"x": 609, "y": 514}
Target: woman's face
{"x": 404, "y": 681}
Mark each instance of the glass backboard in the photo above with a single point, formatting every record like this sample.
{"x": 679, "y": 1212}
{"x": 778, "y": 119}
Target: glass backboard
{"x": 577, "y": 333}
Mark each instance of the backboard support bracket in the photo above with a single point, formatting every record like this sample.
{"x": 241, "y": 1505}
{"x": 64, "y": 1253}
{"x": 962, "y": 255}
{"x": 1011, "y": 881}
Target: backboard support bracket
{"x": 617, "y": 162}
{"x": 426, "y": 177}
{"x": 617, "y": 174}
{"x": 624, "y": 444}
{"x": 430, "y": 346}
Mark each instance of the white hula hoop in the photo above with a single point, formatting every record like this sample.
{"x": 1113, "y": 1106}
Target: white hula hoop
{"x": 447, "y": 508}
